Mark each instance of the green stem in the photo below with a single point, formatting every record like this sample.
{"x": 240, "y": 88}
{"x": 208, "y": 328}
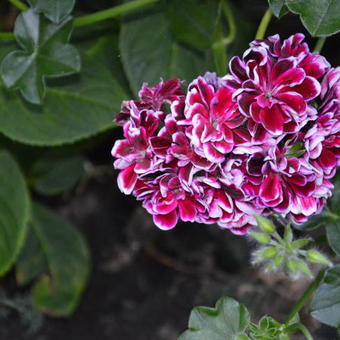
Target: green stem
{"x": 319, "y": 45}
{"x": 261, "y": 31}
{"x": 305, "y": 332}
{"x": 231, "y": 24}
{"x": 111, "y": 12}
{"x": 18, "y": 4}
{"x": 6, "y": 35}
{"x": 306, "y": 295}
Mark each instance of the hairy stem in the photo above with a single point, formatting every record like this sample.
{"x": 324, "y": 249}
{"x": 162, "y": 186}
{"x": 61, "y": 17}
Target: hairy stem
{"x": 18, "y": 4}
{"x": 111, "y": 12}
{"x": 319, "y": 45}
{"x": 306, "y": 295}
{"x": 261, "y": 31}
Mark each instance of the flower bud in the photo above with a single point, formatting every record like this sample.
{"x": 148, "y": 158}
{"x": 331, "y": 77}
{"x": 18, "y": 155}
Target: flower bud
{"x": 293, "y": 266}
{"x": 303, "y": 267}
{"x": 260, "y": 237}
{"x": 315, "y": 257}
{"x": 269, "y": 252}
{"x": 278, "y": 260}
{"x": 265, "y": 224}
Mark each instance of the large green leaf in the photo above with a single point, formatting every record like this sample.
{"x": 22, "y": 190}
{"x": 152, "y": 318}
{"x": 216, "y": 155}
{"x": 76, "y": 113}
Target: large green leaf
{"x": 14, "y": 211}
{"x": 68, "y": 259}
{"x": 74, "y": 108}
{"x": 52, "y": 175}
{"x": 149, "y": 51}
{"x": 55, "y": 10}
{"x": 325, "y": 306}
{"x": 278, "y": 7}
{"x": 193, "y": 21}
{"x": 226, "y": 321}
{"x": 45, "y": 53}
{"x": 320, "y": 17}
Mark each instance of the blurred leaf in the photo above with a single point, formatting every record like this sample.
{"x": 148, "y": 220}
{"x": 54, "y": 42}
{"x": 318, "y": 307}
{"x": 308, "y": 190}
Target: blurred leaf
{"x": 14, "y": 211}
{"x": 45, "y": 54}
{"x": 333, "y": 236}
{"x": 74, "y": 108}
{"x": 278, "y": 7}
{"x": 325, "y": 305}
{"x": 32, "y": 261}
{"x": 55, "y": 10}
{"x": 320, "y": 17}
{"x": 226, "y": 321}
{"x": 149, "y": 51}
{"x": 69, "y": 263}
{"x": 53, "y": 175}
{"x": 193, "y": 21}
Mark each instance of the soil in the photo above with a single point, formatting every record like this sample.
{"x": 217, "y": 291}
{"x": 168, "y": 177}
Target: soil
{"x": 144, "y": 281}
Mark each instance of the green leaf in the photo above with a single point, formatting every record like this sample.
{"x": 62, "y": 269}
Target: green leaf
{"x": 193, "y": 22}
{"x": 45, "y": 54}
{"x": 14, "y": 211}
{"x": 52, "y": 175}
{"x": 149, "y": 52}
{"x": 278, "y": 7}
{"x": 31, "y": 262}
{"x": 55, "y": 10}
{"x": 333, "y": 236}
{"x": 320, "y": 17}
{"x": 74, "y": 108}
{"x": 69, "y": 263}
{"x": 224, "y": 322}
{"x": 325, "y": 305}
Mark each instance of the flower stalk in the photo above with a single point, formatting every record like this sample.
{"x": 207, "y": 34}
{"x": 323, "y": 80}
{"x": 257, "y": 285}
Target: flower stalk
{"x": 261, "y": 31}
{"x": 319, "y": 45}
{"x": 111, "y": 12}
{"x": 306, "y": 295}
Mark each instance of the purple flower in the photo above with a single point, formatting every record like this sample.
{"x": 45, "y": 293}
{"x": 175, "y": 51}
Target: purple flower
{"x": 263, "y": 139}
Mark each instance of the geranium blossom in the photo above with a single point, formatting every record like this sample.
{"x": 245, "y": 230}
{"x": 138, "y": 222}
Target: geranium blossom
{"x": 263, "y": 139}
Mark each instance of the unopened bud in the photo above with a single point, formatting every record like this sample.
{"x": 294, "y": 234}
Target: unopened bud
{"x": 288, "y": 234}
{"x": 269, "y": 252}
{"x": 265, "y": 224}
{"x": 315, "y": 257}
{"x": 292, "y": 266}
{"x": 259, "y": 237}
{"x": 303, "y": 267}
{"x": 278, "y": 260}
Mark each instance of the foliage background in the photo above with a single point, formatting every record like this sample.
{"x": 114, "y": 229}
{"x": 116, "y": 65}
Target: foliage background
{"x": 143, "y": 281}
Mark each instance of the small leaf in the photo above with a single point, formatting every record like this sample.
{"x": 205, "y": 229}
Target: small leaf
{"x": 52, "y": 175}
{"x": 69, "y": 263}
{"x": 45, "y": 54}
{"x": 278, "y": 7}
{"x": 224, "y": 322}
{"x": 14, "y": 211}
{"x": 325, "y": 305}
{"x": 333, "y": 236}
{"x": 288, "y": 234}
{"x": 260, "y": 237}
{"x": 32, "y": 261}
{"x": 55, "y": 10}
{"x": 320, "y": 17}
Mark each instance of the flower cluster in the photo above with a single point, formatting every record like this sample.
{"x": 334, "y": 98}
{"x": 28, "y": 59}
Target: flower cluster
{"x": 263, "y": 139}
